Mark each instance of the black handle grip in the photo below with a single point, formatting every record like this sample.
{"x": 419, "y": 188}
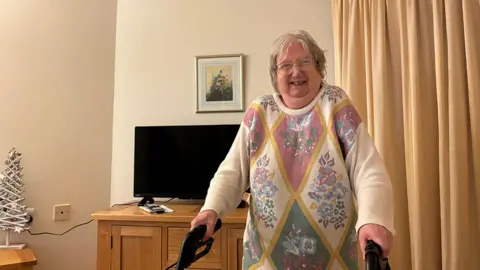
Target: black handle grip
{"x": 202, "y": 229}
{"x": 192, "y": 242}
{"x": 218, "y": 225}
{"x": 373, "y": 255}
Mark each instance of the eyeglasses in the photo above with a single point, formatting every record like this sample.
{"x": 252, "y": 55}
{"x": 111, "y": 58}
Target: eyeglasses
{"x": 287, "y": 68}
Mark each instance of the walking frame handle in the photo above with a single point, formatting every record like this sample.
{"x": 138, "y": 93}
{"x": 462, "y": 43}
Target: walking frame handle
{"x": 192, "y": 242}
{"x": 374, "y": 257}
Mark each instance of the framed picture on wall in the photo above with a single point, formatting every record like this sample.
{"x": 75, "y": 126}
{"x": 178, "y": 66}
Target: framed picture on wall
{"x": 219, "y": 83}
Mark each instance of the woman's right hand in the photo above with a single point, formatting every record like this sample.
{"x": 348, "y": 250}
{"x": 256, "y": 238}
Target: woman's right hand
{"x": 208, "y": 218}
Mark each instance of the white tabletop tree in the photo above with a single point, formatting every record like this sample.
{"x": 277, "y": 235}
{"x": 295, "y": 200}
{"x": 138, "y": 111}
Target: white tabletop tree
{"x": 13, "y": 211}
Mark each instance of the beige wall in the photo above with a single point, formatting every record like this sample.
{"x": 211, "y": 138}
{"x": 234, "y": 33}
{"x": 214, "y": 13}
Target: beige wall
{"x": 56, "y": 105}
{"x": 155, "y": 49}
{"x": 57, "y": 92}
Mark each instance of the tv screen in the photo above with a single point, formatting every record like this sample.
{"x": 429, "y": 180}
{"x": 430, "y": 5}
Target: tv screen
{"x": 179, "y": 161}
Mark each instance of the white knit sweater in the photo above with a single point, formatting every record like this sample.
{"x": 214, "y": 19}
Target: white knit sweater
{"x": 307, "y": 170}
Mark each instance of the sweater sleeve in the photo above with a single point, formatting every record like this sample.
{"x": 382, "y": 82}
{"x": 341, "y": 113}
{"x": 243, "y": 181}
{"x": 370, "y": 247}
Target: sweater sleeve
{"x": 370, "y": 181}
{"x": 231, "y": 179}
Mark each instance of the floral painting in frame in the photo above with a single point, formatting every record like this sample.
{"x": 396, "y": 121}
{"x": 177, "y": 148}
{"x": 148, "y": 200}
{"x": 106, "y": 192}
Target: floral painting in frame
{"x": 219, "y": 83}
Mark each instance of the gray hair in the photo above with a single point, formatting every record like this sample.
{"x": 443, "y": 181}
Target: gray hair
{"x": 309, "y": 45}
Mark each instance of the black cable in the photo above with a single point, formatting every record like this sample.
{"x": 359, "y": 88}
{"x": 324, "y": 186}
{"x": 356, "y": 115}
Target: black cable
{"x": 49, "y": 233}
{"x": 168, "y": 200}
{"x": 85, "y": 223}
{"x": 120, "y": 204}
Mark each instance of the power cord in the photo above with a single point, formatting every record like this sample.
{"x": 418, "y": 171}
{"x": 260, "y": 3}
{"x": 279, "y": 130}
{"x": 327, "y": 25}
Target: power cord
{"x": 81, "y": 224}
{"x": 49, "y": 233}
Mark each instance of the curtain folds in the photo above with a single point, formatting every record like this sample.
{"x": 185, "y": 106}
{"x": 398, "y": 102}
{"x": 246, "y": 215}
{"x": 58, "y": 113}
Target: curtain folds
{"x": 412, "y": 67}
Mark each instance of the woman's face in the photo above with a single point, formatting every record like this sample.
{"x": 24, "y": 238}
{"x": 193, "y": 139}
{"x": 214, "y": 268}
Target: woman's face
{"x": 298, "y": 81}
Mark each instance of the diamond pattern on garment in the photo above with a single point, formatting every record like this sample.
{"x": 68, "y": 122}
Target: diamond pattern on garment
{"x": 253, "y": 120}
{"x": 269, "y": 195}
{"x": 327, "y": 194}
{"x": 346, "y": 120}
{"x": 348, "y": 252}
{"x": 296, "y": 138}
{"x": 298, "y": 245}
{"x": 252, "y": 248}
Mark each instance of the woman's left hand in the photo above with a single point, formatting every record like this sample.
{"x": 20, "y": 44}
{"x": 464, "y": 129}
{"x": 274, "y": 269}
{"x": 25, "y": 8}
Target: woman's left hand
{"x": 378, "y": 234}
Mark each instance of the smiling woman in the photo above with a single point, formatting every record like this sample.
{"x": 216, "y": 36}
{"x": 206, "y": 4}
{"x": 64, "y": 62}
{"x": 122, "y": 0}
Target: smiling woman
{"x": 305, "y": 154}
{"x": 297, "y": 68}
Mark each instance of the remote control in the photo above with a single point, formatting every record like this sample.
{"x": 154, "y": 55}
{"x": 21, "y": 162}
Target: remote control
{"x": 152, "y": 208}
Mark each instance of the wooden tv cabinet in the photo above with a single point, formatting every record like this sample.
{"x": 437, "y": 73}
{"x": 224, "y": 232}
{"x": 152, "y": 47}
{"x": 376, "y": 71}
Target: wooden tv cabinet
{"x": 129, "y": 238}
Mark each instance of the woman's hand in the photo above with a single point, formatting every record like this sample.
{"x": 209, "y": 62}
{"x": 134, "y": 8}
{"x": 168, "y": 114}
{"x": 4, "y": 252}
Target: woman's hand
{"x": 207, "y": 217}
{"x": 379, "y": 235}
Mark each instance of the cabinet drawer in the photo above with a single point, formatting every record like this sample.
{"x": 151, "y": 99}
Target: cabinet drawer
{"x": 175, "y": 237}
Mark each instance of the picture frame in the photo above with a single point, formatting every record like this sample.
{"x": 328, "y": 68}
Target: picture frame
{"x": 219, "y": 83}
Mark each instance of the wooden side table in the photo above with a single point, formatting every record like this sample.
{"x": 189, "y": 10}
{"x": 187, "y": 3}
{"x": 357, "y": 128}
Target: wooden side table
{"x": 130, "y": 238}
{"x": 17, "y": 259}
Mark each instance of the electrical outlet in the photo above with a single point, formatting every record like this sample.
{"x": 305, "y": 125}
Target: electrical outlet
{"x": 30, "y": 212}
{"x": 61, "y": 212}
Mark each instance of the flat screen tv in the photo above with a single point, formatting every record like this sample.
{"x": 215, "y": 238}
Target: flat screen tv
{"x": 179, "y": 161}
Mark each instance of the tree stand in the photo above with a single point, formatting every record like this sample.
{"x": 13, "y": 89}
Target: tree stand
{"x": 9, "y": 245}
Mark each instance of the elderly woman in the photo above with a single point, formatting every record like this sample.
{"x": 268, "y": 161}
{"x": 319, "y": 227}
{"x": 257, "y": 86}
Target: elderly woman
{"x": 306, "y": 156}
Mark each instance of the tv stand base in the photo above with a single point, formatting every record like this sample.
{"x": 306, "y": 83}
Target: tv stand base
{"x": 146, "y": 200}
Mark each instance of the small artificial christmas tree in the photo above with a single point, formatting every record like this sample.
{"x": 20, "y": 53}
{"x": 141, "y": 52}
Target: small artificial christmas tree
{"x": 13, "y": 213}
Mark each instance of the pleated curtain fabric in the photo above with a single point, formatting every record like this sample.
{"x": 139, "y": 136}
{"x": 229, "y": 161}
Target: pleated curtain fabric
{"x": 412, "y": 68}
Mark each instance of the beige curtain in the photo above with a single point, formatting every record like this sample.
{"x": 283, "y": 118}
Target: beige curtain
{"x": 412, "y": 67}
